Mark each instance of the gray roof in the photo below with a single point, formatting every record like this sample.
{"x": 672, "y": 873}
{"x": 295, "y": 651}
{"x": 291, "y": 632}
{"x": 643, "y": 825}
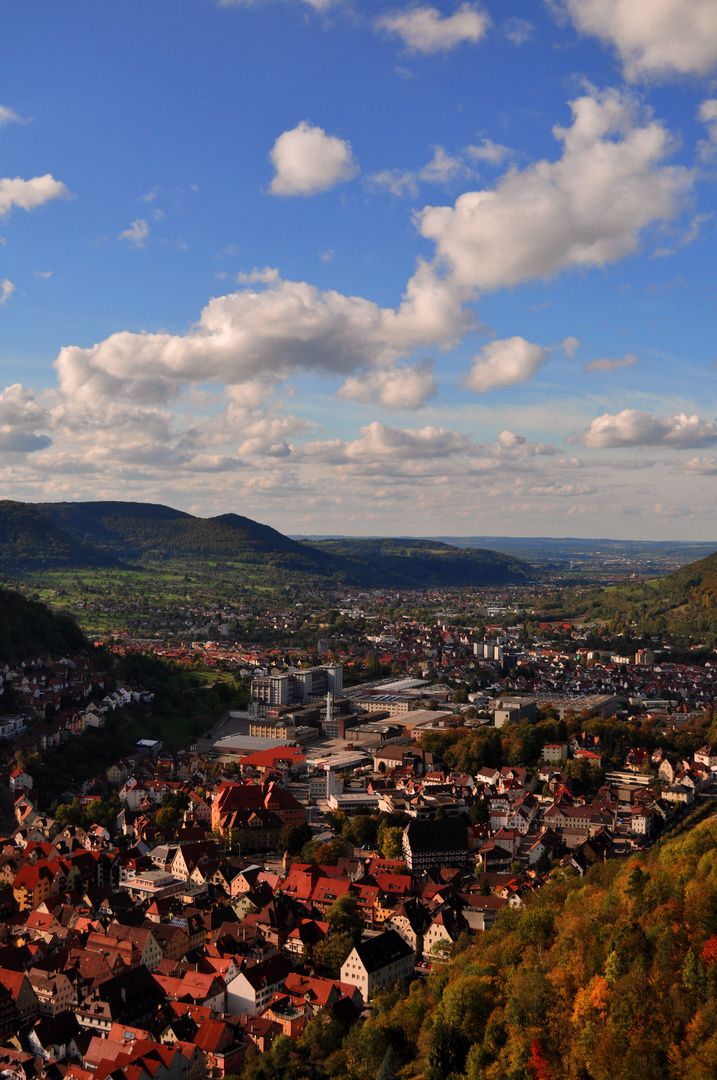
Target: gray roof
{"x": 445, "y": 834}
{"x": 387, "y": 948}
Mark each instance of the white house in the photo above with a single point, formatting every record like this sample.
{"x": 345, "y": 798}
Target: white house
{"x": 251, "y": 990}
{"x": 380, "y": 961}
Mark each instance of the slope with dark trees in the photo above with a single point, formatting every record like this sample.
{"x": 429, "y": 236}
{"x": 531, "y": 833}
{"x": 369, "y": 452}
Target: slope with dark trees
{"x": 147, "y": 532}
{"x": 29, "y": 541}
{"x": 28, "y": 628}
{"x": 90, "y": 534}
{"x": 403, "y": 562}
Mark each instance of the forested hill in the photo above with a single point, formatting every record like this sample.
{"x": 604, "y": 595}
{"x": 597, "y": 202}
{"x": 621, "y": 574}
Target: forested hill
{"x": 431, "y": 562}
{"x": 684, "y": 603}
{"x": 29, "y": 541}
{"x": 136, "y": 532}
{"x": 28, "y": 628}
{"x": 613, "y": 977}
{"x": 76, "y": 535}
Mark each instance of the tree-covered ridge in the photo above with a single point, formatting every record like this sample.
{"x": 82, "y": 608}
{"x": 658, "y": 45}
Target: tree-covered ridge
{"x": 404, "y": 562}
{"x": 684, "y": 603}
{"x": 146, "y": 531}
{"x": 29, "y": 541}
{"x": 28, "y": 628}
{"x": 76, "y": 535}
{"x": 613, "y": 977}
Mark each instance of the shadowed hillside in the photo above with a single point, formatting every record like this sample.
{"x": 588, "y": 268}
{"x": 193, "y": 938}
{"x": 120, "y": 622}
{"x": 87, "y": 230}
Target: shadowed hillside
{"x": 29, "y": 541}
{"x": 47, "y": 536}
{"x": 28, "y": 628}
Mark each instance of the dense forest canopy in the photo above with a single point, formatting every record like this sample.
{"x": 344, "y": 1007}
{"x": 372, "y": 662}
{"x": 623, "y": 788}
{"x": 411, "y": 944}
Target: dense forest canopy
{"x": 28, "y": 628}
{"x": 612, "y": 977}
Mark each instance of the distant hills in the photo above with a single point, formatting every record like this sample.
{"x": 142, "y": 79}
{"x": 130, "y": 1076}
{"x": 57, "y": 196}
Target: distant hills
{"x": 73, "y": 536}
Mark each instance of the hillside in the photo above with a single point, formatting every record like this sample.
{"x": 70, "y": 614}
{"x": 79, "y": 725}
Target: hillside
{"x": 405, "y": 562}
{"x": 28, "y": 628}
{"x": 29, "y": 541}
{"x": 612, "y": 977}
{"x": 147, "y": 533}
{"x": 95, "y": 534}
{"x": 683, "y": 603}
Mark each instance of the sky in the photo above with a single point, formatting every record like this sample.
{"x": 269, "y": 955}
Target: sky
{"x": 364, "y": 268}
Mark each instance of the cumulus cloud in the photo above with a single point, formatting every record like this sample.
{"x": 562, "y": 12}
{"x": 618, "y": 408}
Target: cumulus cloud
{"x": 20, "y": 416}
{"x": 9, "y": 116}
{"x": 569, "y": 345}
{"x": 700, "y": 466}
{"x": 136, "y": 235}
{"x": 425, "y": 452}
{"x": 406, "y": 387}
{"x": 441, "y": 169}
{"x": 28, "y": 194}
{"x": 518, "y": 30}
{"x": 307, "y": 160}
{"x": 707, "y": 113}
{"x": 42, "y": 275}
{"x": 6, "y": 290}
{"x": 379, "y": 442}
{"x": 317, "y": 5}
{"x": 426, "y": 30}
{"x": 504, "y": 363}
{"x": 280, "y": 330}
{"x": 653, "y": 37}
{"x": 588, "y": 208}
{"x": 604, "y": 364}
{"x": 633, "y": 428}
{"x": 490, "y": 152}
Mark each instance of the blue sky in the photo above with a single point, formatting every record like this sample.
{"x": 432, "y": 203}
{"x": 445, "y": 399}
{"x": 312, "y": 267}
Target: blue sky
{"x": 363, "y": 268}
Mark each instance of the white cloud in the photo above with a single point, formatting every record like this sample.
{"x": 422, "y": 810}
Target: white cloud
{"x": 604, "y": 364}
{"x": 42, "y": 275}
{"x": 569, "y": 345}
{"x": 441, "y": 169}
{"x": 588, "y": 208}
{"x": 653, "y": 37}
{"x": 267, "y": 276}
{"x": 9, "y": 116}
{"x": 307, "y": 161}
{"x": 20, "y": 415}
{"x": 136, "y": 235}
{"x": 490, "y": 152}
{"x": 707, "y": 113}
{"x": 379, "y": 442}
{"x": 518, "y": 30}
{"x": 633, "y": 428}
{"x": 700, "y": 466}
{"x": 426, "y": 30}
{"x": 317, "y": 5}
{"x": 395, "y": 388}
{"x": 27, "y": 194}
{"x": 6, "y": 290}
{"x": 277, "y": 331}
{"x": 504, "y": 363}
{"x": 151, "y": 195}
